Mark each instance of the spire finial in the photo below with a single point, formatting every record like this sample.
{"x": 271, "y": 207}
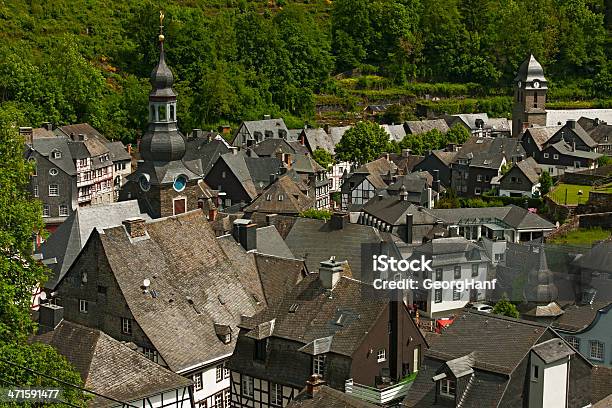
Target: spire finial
{"x": 161, "y": 25}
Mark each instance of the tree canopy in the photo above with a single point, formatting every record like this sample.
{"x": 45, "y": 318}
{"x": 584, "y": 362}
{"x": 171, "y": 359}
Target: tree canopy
{"x": 362, "y": 143}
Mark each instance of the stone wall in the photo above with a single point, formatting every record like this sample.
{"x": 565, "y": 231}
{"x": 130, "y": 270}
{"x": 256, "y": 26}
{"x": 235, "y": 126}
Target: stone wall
{"x": 601, "y": 220}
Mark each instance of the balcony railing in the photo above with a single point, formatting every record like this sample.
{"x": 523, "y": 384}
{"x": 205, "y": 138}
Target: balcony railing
{"x": 380, "y": 395}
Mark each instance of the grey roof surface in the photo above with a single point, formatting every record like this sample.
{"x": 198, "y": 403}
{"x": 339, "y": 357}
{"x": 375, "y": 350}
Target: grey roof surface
{"x": 470, "y": 119}
{"x": 489, "y": 152}
{"x": 541, "y": 135}
{"x": 405, "y": 164}
{"x": 270, "y": 242}
{"x": 512, "y": 215}
{"x": 82, "y": 129}
{"x": 576, "y": 318}
{"x": 118, "y": 151}
{"x": 281, "y": 197}
{"x": 395, "y": 132}
{"x": 315, "y": 241}
{"x": 598, "y": 258}
{"x": 529, "y": 167}
{"x": 204, "y": 151}
{"x": 185, "y": 263}
{"x": 390, "y": 209}
{"x": 553, "y": 350}
{"x": 445, "y": 157}
{"x": 416, "y": 127}
{"x": 530, "y": 70}
{"x": 556, "y": 116}
{"x": 70, "y": 237}
{"x": 318, "y": 138}
{"x": 108, "y": 366}
{"x": 499, "y": 124}
{"x": 302, "y": 163}
{"x": 269, "y": 147}
{"x": 45, "y": 146}
{"x": 564, "y": 148}
{"x": 260, "y": 169}
{"x": 328, "y": 397}
{"x": 261, "y": 126}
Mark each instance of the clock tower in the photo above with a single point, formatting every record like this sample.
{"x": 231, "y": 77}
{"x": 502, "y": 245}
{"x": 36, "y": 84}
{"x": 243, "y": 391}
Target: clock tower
{"x": 164, "y": 184}
{"x": 530, "y": 88}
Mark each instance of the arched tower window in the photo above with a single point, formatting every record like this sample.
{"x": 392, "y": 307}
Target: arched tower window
{"x": 152, "y": 114}
{"x": 161, "y": 113}
{"x": 172, "y": 113}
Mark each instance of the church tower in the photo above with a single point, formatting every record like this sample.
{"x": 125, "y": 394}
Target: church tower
{"x": 164, "y": 184}
{"x": 530, "y": 88}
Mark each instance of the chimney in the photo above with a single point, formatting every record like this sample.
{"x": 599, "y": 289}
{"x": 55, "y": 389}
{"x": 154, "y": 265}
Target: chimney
{"x": 271, "y": 219}
{"x": 436, "y": 180}
{"x": 330, "y": 272}
{"x": 450, "y": 147}
{"x": 225, "y": 129}
{"x": 405, "y": 152}
{"x": 272, "y": 178}
{"x": 81, "y": 137}
{"x": 313, "y": 385}
{"x": 234, "y": 150}
{"x": 212, "y": 214}
{"x": 409, "y": 226}
{"x": 571, "y": 123}
{"x": 267, "y": 117}
{"x": 380, "y": 196}
{"x": 430, "y": 203}
{"x": 245, "y": 232}
{"x": 596, "y": 121}
{"x": 338, "y": 220}
{"x": 135, "y": 227}
{"x": 49, "y": 317}
{"x": 195, "y": 133}
{"x": 27, "y": 134}
{"x": 129, "y": 148}
{"x": 47, "y": 125}
{"x": 403, "y": 195}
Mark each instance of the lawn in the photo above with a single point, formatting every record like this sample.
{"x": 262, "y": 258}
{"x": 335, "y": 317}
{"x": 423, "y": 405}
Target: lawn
{"x": 582, "y": 236}
{"x": 573, "y": 198}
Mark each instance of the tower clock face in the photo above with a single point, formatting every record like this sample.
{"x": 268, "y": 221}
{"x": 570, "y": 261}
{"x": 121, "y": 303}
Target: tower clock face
{"x": 144, "y": 183}
{"x": 536, "y": 84}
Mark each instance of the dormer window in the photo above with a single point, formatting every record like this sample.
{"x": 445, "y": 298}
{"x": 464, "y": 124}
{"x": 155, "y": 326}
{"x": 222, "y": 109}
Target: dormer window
{"x": 447, "y": 387}
{"x": 57, "y": 154}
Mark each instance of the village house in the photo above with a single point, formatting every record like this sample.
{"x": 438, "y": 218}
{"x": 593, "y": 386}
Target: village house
{"x": 522, "y": 180}
{"x": 488, "y": 360}
{"x": 358, "y": 341}
{"x": 600, "y": 131}
{"x": 254, "y": 131}
{"x": 362, "y": 184}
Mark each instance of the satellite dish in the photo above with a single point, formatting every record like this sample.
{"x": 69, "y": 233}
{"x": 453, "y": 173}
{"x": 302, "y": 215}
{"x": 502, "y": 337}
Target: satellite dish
{"x": 146, "y": 283}
{"x": 43, "y": 295}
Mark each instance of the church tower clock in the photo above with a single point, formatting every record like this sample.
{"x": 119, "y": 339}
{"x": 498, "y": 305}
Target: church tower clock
{"x": 164, "y": 184}
{"x": 530, "y": 88}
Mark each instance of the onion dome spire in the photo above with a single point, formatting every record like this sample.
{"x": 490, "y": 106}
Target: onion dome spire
{"x": 161, "y": 76}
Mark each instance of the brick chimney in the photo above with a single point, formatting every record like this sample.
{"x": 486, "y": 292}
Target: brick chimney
{"x": 571, "y": 123}
{"x": 313, "y": 385}
{"x": 135, "y": 227}
{"x": 330, "y": 272}
{"x": 49, "y": 317}
{"x": 339, "y": 220}
{"x": 245, "y": 232}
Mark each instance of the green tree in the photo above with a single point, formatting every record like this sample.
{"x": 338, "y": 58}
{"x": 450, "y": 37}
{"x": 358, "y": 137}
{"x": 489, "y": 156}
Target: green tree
{"x": 546, "y": 182}
{"x": 323, "y": 157}
{"x": 450, "y": 200}
{"x": 21, "y": 274}
{"x": 604, "y": 161}
{"x": 362, "y": 143}
{"x": 505, "y": 308}
{"x": 457, "y": 134}
{"x": 316, "y": 214}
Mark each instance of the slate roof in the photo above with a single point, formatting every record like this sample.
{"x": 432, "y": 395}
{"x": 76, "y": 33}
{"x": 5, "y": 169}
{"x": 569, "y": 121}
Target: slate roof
{"x": 336, "y": 133}
{"x": 529, "y": 168}
{"x": 576, "y": 318}
{"x": 445, "y": 157}
{"x": 305, "y": 164}
{"x": 556, "y": 116}
{"x": 564, "y": 148}
{"x": 328, "y": 397}
{"x": 416, "y": 127}
{"x": 118, "y": 152}
{"x": 516, "y": 217}
{"x": 598, "y": 258}
{"x": 379, "y": 167}
{"x": 207, "y": 153}
{"x": 45, "y": 146}
{"x": 530, "y": 70}
{"x": 405, "y": 164}
{"x": 270, "y": 242}
{"x": 489, "y": 152}
{"x": 315, "y": 240}
{"x": 108, "y": 366}
{"x": 278, "y": 275}
{"x": 318, "y": 138}
{"x": 499, "y": 124}
{"x": 541, "y": 135}
{"x": 269, "y": 147}
{"x": 553, "y": 350}
{"x": 261, "y": 126}
{"x": 70, "y": 237}
{"x": 395, "y": 132}
{"x": 453, "y": 250}
{"x": 390, "y": 209}
{"x": 317, "y": 311}
{"x": 470, "y": 119}
{"x": 82, "y": 129}
{"x": 601, "y": 378}
{"x": 281, "y": 197}
{"x": 197, "y": 285}
{"x": 42, "y": 132}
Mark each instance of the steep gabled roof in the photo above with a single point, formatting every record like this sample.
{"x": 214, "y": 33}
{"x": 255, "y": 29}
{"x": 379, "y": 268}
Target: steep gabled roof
{"x": 327, "y": 397}
{"x": 281, "y": 197}
{"x": 529, "y": 168}
{"x": 512, "y": 215}
{"x": 110, "y": 367}
{"x": 82, "y": 129}
{"x": 416, "y": 127}
{"x": 46, "y": 146}
{"x": 318, "y": 138}
{"x": 206, "y": 152}
{"x": 540, "y": 135}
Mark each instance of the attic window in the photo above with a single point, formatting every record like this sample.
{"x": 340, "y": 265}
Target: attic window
{"x": 447, "y": 387}
{"x": 293, "y": 308}
{"x": 281, "y": 197}
{"x": 268, "y": 197}
{"x": 57, "y": 154}
{"x": 487, "y": 162}
{"x": 479, "y": 141}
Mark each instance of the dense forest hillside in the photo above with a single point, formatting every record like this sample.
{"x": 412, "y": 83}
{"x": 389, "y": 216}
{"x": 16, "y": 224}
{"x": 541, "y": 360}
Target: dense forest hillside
{"x": 89, "y": 60}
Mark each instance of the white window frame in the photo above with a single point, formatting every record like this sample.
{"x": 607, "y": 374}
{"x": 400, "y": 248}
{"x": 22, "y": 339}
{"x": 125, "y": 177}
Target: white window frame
{"x": 479, "y": 177}
{"x": 197, "y": 381}
{"x": 475, "y": 271}
{"x": 457, "y": 268}
{"x": 46, "y": 210}
{"x": 456, "y": 294}
{"x": 436, "y": 298}
{"x": 126, "y": 325}
{"x": 63, "y": 210}
{"x": 248, "y": 386}
{"x": 218, "y": 400}
{"x": 53, "y": 190}
{"x": 57, "y": 154}
{"x": 556, "y": 156}
{"x": 150, "y": 353}
{"x": 381, "y": 355}
{"x": 318, "y": 364}
{"x": 83, "y": 306}
{"x": 573, "y": 341}
{"x": 276, "y": 394}
{"x": 546, "y": 155}
{"x": 600, "y": 345}
{"x": 219, "y": 372}
{"x": 448, "y": 387}
{"x": 35, "y": 190}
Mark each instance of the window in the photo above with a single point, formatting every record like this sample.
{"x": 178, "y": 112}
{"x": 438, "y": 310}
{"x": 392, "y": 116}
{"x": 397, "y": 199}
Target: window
{"x": 197, "y": 381}
{"x": 53, "y": 171}
{"x": 546, "y": 155}
{"x": 63, "y": 210}
{"x": 268, "y": 197}
{"x": 457, "y": 272}
{"x": 53, "y": 190}
{"x": 381, "y": 355}
{"x": 126, "y": 325}
{"x": 477, "y": 191}
{"x": 57, "y": 154}
{"x": 535, "y": 373}
{"x": 556, "y": 156}
{"x": 499, "y": 257}
{"x": 447, "y": 387}
{"x": 219, "y": 400}
{"x": 439, "y": 274}
{"x": 227, "y": 397}
{"x": 281, "y": 197}
{"x": 276, "y": 394}
{"x": 596, "y": 350}
{"x": 35, "y": 190}
{"x": 474, "y": 270}
{"x": 226, "y": 371}
{"x": 456, "y": 294}
{"x": 248, "y": 386}
{"x": 438, "y": 296}
{"x": 102, "y": 290}
{"x": 577, "y": 164}
{"x": 46, "y": 210}
{"x": 161, "y": 113}
{"x": 171, "y": 112}
{"x": 318, "y": 364}
{"x": 219, "y": 373}
{"x": 260, "y": 349}
{"x": 83, "y": 306}
{"x": 150, "y": 353}
{"x": 479, "y": 178}
{"x": 487, "y": 178}
{"x": 573, "y": 341}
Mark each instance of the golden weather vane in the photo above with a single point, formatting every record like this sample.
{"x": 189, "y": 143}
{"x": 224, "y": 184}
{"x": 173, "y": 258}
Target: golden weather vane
{"x": 161, "y": 25}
